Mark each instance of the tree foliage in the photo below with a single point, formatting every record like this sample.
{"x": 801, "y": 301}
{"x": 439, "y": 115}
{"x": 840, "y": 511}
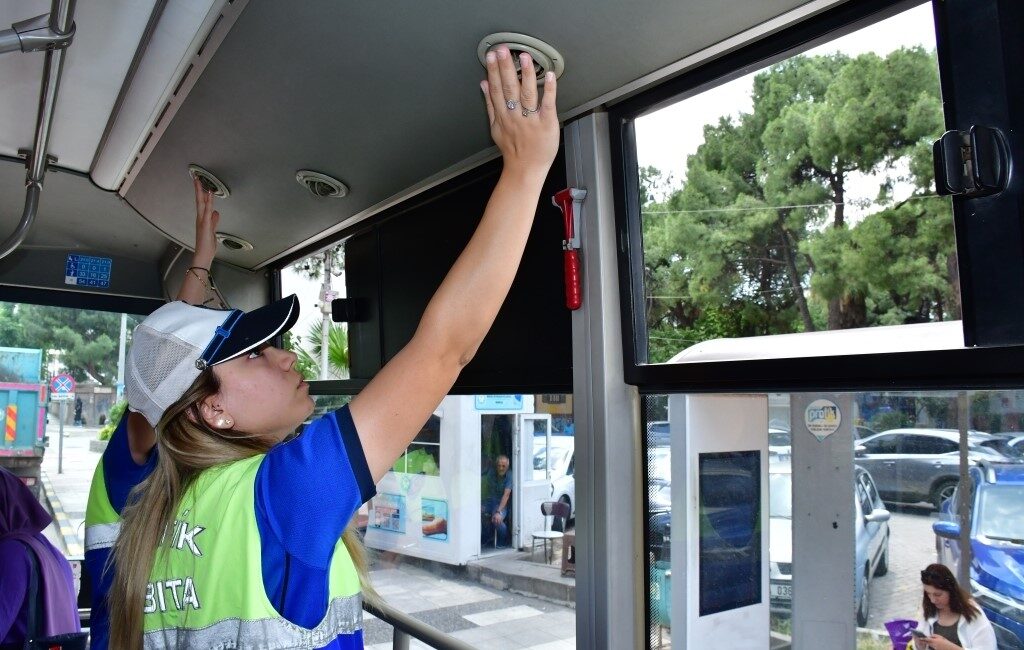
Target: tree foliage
{"x": 83, "y": 341}
{"x": 759, "y": 239}
{"x": 307, "y": 349}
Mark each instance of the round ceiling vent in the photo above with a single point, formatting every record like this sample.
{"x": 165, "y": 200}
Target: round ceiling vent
{"x": 321, "y": 185}
{"x": 233, "y": 243}
{"x": 210, "y": 183}
{"x": 544, "y": 56}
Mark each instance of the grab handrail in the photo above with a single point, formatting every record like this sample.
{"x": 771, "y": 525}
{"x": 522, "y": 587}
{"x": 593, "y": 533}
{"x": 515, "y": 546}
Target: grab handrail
{"x": 406, "y": 626}
{"x": 53, "y": 33}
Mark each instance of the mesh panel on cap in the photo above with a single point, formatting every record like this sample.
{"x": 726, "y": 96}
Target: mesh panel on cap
{"x": 161, "y": 367}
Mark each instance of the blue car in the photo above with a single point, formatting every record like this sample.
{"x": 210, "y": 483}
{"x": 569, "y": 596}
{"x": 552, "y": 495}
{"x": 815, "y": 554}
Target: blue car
{"x": 997, "y": 546}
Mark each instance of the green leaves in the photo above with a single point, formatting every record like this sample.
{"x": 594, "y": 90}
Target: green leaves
{"x": 758, "y": 240}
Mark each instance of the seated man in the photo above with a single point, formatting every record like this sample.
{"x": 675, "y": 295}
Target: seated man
{"x": 495, "y": 504}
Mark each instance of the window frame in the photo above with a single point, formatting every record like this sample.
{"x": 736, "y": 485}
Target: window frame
{"x": 986, "y": 320}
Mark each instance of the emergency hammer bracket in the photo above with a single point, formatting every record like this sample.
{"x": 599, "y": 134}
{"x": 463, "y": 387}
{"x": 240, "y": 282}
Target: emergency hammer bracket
{"x": 570, "y": 202}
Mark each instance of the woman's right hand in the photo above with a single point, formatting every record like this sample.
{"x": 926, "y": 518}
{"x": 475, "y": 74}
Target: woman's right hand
{"x": 527, "y": 133}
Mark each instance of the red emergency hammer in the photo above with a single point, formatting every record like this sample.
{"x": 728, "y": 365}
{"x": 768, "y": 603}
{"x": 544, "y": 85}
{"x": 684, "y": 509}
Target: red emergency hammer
{"x": 570, "y": 202}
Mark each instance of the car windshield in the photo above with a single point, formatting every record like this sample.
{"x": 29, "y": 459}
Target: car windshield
{"x": 1001, "y": 513}
{"x": 780, "y": 496}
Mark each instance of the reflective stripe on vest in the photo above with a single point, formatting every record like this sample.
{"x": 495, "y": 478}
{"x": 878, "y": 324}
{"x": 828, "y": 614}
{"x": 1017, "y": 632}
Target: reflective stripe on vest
{"x": 101, "y": 535}
{"x": 206, "y": 588}
{"x": 344, "y": 616}
{"x": 102, "y": 523}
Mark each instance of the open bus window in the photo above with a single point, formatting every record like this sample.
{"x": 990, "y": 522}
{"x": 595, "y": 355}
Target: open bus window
{"x": 768, "y": 202}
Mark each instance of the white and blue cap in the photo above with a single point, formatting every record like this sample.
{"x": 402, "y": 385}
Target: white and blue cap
{"x": 172, "y": 347}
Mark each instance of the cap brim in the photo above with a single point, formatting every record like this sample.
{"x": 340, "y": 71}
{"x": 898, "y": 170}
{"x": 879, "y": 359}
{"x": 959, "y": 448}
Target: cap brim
{"x": 257, "y": 327}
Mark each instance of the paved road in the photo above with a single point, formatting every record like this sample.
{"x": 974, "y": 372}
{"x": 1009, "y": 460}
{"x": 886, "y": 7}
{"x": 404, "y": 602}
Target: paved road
{"x": 467, "y": 610}
{"x": 911, "y": 548}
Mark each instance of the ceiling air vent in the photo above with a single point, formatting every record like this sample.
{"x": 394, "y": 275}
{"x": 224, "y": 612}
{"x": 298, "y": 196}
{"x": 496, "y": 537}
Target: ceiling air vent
{"x": 321, "y": 185}
{"x": 233, "y": 243}
{"x": 544, "y": 56}
{"x": 210, "y": 183}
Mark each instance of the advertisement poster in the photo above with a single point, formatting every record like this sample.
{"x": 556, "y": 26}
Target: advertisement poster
{"x": 388, "y": 513}
{"x": 435, "y": 519}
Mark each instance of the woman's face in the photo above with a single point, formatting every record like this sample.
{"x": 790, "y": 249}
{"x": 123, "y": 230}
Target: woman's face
{"x": 939, "y": 597}
{"x": 261, "y": 393}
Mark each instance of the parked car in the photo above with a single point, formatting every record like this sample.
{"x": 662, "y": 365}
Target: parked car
{"x": 919, "y": 465}
{"x": 563, "y": 461}
{"x": 780, "y": 444}
{"x": 997, "y": 546}
{"x": 871, "y": 530}
{"x": 658, "y": 434}
{"x": 659, "y": 502}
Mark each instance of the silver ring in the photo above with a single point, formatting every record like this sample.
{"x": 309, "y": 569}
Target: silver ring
{"x": 527, "y": 111}
{"x": 510, "y": 104}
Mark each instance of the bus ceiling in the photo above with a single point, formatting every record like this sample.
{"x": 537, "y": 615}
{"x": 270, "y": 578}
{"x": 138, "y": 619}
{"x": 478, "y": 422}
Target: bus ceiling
{"x": 257, "y": 92}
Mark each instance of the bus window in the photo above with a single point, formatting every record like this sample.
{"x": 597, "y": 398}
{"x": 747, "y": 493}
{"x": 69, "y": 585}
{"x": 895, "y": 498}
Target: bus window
{"x": 769, "y": 202}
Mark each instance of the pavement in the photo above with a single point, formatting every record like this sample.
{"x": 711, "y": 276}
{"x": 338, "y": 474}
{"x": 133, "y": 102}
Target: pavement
{"x": 507, "y": 600}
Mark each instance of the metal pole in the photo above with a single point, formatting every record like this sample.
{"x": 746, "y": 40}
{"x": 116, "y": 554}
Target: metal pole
{"x": 325, "y": 309}
{"x": 963, "y": 513}
{"x": 401, "y": 640}
{"x": 60, "y": 448}
{"x": 120, "y": 356}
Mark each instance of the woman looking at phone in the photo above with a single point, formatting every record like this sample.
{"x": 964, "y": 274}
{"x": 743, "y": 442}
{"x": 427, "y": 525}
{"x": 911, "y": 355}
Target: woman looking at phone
{"x": 952, "y": 620}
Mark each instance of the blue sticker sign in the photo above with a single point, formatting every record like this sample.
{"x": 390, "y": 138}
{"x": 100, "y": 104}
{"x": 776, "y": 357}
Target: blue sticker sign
{"x": 88, "y": 271}
{"x": 498, "y": 403}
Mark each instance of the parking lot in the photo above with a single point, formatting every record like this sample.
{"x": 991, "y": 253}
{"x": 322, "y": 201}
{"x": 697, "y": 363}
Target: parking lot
{"x": 911, "y": 548}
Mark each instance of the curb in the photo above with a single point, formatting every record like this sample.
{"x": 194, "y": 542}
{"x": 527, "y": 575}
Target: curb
{"x": 72, "y": 543}
{"x": 504, "y": 574}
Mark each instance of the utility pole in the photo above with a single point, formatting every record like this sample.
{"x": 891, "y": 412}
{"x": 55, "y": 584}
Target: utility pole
{"x": 326, "y": 296}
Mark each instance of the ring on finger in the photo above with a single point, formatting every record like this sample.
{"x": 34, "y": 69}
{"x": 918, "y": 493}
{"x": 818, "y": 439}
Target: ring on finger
{"x": 511, "y": 104}
{"x": 528, "y": 111}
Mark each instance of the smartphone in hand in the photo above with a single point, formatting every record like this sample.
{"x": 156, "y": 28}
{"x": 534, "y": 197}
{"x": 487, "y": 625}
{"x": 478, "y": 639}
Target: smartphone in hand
{"x": 918, "y": 634}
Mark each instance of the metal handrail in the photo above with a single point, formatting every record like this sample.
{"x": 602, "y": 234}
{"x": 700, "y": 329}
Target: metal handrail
{"x": 406, "y": 626}
{"x": 52, "y": 33}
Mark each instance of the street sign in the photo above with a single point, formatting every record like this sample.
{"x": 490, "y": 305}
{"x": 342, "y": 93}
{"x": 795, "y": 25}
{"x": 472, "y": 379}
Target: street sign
{"x": 62, "y": 384}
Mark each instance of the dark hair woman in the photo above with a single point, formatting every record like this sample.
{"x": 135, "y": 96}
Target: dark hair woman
{"x": 952, "y": 620}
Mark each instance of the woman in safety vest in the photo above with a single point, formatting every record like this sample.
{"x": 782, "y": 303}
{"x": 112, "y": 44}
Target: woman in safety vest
{"x": 128, "y": 458}
{"x": 235, "y": 540}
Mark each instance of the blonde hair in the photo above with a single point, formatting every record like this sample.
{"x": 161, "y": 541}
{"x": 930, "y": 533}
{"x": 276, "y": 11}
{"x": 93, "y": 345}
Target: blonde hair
{"x": 186, "y": 447}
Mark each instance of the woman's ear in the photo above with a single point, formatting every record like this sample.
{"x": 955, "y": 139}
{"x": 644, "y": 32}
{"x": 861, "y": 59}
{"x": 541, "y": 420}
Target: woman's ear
{"x": 215, "y": 416}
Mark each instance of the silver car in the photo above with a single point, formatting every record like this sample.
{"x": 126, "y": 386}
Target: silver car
{"x": 919, "y": 465}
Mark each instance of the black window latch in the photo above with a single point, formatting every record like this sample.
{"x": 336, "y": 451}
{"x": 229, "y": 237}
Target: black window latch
{"x": 971, "y": 163}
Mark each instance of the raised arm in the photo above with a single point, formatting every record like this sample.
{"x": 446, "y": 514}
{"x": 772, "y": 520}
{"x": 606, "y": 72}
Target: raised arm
{"x": 196, "y": 286}
{"x": 194, "y": 290}
{"x": 394, "y": 405}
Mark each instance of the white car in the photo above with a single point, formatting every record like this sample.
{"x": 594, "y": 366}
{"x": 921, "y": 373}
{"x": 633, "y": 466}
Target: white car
{"x": 563, "y": 456}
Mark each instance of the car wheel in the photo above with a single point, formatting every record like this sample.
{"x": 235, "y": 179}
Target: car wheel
{"x": 941, "y": 492}
{"x": 883, "y": 563}
{"x": 864, "y": 603}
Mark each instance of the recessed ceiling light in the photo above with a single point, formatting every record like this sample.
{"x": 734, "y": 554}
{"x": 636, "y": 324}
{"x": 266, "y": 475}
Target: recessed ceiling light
{"x": 321, "y": 185}
{"x": 232, "y": 242}
{"x": 210, "y": 183}
{"x": 544, "y": 56}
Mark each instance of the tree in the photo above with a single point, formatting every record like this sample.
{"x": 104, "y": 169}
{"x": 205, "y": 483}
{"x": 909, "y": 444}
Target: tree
{"x": 313, "y": 266}
{"x": 85, "y": 341}
{"x": 758, "y": 240}
{"x": 308, "y": 361}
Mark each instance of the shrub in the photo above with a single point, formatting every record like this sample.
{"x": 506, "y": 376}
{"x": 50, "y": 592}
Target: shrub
{"x": 116, "y": 411}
